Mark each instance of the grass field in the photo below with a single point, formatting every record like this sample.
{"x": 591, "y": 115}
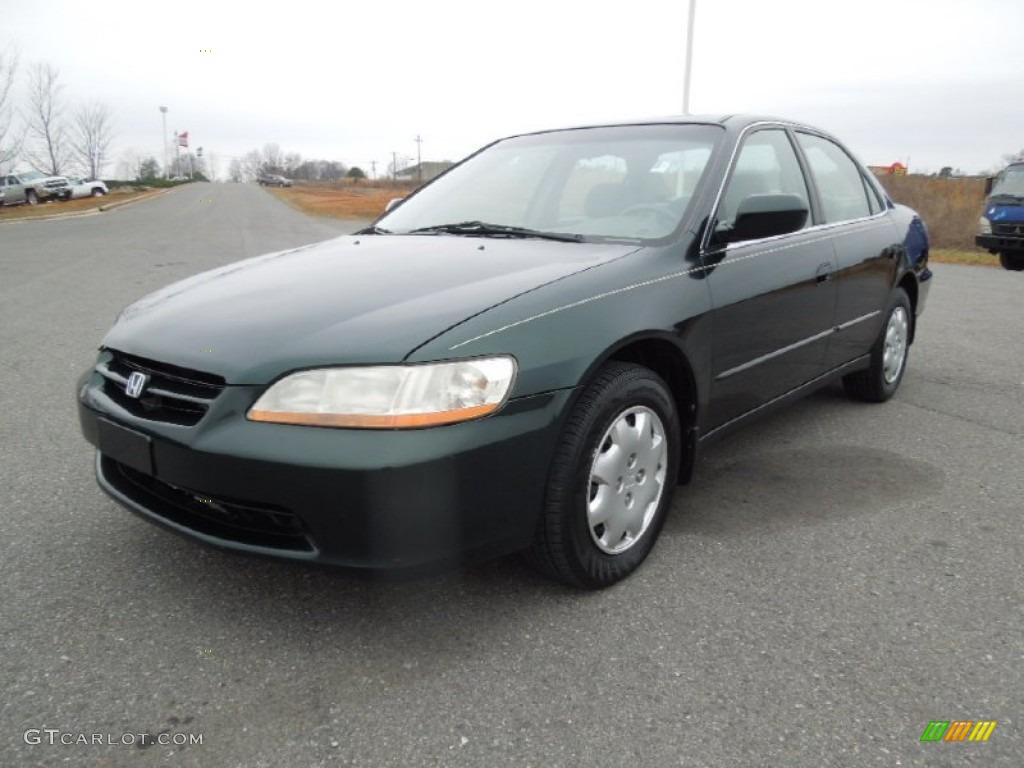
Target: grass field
{"x": 975, "y": 256}
{"x": 344, "y": 199}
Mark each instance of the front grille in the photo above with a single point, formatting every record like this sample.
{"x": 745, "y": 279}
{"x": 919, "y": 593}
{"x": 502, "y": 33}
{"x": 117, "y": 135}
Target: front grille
{"x": 1008, "y": 228}
{"x": 228, "y": 519}
{"x": 172, "y": 395}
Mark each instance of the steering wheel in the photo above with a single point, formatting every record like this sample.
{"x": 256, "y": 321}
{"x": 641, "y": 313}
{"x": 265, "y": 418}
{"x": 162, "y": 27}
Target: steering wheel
{"x": 639, "y": 209}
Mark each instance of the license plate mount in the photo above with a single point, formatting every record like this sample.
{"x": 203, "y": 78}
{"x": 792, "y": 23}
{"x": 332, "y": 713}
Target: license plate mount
{"x": 126, "y": 446}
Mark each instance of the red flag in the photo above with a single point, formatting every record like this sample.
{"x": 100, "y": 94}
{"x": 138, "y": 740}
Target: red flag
{"x": 183, "y": 139}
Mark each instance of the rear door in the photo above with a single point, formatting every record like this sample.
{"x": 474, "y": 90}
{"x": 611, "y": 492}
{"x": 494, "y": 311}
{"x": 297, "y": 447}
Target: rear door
{"x": 773, "y": 300}
{"x": 865, "y": 241}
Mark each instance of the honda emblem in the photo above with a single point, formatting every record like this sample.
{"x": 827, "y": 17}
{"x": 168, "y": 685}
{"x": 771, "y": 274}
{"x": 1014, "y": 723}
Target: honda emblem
{"x": 135, "y": 384}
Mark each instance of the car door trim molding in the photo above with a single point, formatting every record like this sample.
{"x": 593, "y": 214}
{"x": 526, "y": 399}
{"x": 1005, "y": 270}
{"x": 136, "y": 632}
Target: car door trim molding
{"x": 861, "y": 319}
{"x": 773, "y": 354}
{"x": 796, "y": 345}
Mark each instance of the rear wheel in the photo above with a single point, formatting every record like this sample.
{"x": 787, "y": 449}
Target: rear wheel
{"x": 1012, "y": 261}
{"x": 31, "y": 197}
{"x": 611, "y": 481}
{"x": 882, "y": 378}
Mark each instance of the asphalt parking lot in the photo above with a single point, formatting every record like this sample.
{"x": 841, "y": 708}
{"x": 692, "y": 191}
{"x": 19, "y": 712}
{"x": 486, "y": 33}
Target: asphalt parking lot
{"x": 836, "y": 577}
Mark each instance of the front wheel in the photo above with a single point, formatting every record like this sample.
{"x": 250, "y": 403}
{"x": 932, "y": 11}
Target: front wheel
{"x": 31, "y": 197}
{"x": 1012, "y": 261}
{"x": 880, "y": 380}
{"x": 611, "y": 480}
{"x": 97, "y": 192}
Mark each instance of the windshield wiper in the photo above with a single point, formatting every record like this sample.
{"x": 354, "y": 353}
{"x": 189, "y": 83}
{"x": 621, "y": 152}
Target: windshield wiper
{"x": 997, "y": 196}
{"x": 483, "y": 229}
{"x": 373, "y": 231}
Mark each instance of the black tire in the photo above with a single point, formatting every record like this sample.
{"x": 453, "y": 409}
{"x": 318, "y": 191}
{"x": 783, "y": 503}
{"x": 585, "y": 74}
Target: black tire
{"x": 31, "y": 197}
{"x": 1012, "y": 261}
{"x": 876, "y": 384}
{"x": 566, "y": 546}
{"x": 97, "y": 192}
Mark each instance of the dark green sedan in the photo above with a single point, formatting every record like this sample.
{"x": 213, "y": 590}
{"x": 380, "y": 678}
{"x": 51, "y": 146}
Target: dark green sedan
{"x": 526, "y": 354}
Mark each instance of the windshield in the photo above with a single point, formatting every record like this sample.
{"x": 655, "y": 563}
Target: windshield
{"x": 626, "y": 182}
{"x": 31, "y": 176}
{"x": 1010, "y": 182}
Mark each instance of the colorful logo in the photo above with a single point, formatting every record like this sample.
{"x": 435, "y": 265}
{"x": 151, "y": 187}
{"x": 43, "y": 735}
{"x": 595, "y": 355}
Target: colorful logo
{"x": 958, "y": 730}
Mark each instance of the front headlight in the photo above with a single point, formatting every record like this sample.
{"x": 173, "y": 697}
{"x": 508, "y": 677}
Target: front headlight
{"x": 389, "y": 396}
{"x": 984, "y": 226}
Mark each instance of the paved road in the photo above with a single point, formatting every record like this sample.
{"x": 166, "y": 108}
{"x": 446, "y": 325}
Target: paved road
{"x": 837, "y": 576}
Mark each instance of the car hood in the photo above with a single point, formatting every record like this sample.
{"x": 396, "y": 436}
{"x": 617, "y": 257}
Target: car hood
{"x": 356, "y": 299}
{"x": 1004, "y": 210}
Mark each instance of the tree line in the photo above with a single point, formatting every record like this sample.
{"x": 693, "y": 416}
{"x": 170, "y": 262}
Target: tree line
{"x": 272, "y": 160}
{"x": 39, "y": 126}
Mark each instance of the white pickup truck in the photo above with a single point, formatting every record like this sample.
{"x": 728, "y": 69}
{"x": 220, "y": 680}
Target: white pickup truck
{"x": 32, "y": 187}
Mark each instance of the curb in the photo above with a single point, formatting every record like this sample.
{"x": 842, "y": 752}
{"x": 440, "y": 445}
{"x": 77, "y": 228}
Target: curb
{"x": 91, "y": 211}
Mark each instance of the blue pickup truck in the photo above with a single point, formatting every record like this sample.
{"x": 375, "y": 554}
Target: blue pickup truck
{"x": 1001, "y": 227}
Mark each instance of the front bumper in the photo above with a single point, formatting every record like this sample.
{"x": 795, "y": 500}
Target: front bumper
{"x": 999, "y": 243}
{"x": 363, "y": 498}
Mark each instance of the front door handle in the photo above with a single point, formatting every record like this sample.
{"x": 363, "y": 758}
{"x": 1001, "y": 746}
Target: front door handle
{"x": 823, "y": 273}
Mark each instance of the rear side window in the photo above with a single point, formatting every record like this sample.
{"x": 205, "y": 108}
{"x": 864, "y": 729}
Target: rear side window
{"x": 844, "y": 191}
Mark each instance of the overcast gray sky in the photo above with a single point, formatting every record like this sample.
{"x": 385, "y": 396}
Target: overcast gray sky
{"x": 938, "y": 82}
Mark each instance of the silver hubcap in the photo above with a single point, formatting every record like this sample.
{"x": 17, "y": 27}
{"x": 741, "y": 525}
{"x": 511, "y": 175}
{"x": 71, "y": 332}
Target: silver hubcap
{"x": 895, "y": 345}
{"x": 627, "y": 479}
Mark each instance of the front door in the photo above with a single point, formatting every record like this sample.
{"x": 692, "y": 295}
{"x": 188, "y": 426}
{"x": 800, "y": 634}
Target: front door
{"x": 773, "y": 298}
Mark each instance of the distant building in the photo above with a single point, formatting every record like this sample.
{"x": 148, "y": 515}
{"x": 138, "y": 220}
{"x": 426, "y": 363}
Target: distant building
{"x": 424, "y": 171}
{"x": 896, "y": 169}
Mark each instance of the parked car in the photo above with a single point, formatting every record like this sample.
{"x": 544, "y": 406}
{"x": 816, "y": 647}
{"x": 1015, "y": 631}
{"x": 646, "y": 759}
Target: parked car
{"x": 273, "y": 180}
{"x": 528, "y": 353}
{"x": 32, "y": 187}
{"x": 84, "y": 188}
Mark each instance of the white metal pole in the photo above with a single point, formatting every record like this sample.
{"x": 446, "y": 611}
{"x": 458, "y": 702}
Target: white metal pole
{"x": 163, "y": 110}
{"x": 689, "y": 58}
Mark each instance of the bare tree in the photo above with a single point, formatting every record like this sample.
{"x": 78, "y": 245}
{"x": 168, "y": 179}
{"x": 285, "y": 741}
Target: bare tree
{"x": 45, "y": 120}
{"x": 91, "y": 134}
{"x": 273, "y": 159}
{"x": 128, "y": 164}
{"x": 252, "y": 165}
{"x": 292, "y": 161}
{"x": 10, "y": 144}
{"x": 247, "y": 167}
{"x": 235, "y": 169}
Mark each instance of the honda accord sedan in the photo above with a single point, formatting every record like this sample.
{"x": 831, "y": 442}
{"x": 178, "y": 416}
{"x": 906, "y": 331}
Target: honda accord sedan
{"x": 528, "y": 353}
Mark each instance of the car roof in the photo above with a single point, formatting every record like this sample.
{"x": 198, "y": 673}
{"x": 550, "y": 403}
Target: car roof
{"x": 732, "y": 122}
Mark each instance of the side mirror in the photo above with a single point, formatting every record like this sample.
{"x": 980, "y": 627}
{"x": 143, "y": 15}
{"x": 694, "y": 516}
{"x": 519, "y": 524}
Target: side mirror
{"x": 768, "y": 216}
{"x": 991, "y": 180}
{"x": 392, "y": 203}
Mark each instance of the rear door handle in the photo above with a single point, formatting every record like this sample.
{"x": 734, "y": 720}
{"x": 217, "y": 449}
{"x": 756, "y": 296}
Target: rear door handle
{"x": 823, "y": 273}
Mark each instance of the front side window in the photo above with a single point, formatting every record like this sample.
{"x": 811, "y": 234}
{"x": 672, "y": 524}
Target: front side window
{"x": 627, "y": 182}
{"x": 842, "y": 188}
{"x": 766, "y": 165}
